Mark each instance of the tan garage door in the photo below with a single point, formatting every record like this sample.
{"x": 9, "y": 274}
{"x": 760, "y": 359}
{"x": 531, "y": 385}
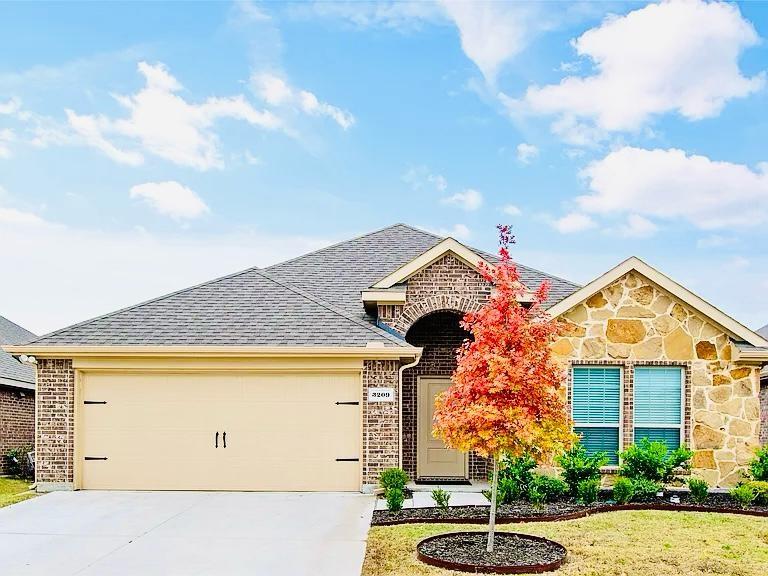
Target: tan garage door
{"x": 167, "y": 432}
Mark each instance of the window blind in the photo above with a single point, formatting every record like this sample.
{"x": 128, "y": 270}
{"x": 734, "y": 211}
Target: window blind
{"x": 658, "y": 404}
{"x": 596, "y": 408}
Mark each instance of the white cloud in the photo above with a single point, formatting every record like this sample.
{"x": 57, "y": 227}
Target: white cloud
{"x": 678, "y": 56}
{"x": 248, "y": 11}
{"x": 458, "y": 231}
{"x": 491, "y": 33}
{"x": 420, "y": 176}
{"x": 638, "y": 227}
{"x": 715, "y": 241}
{"x": 511, "y": 210}
{"x": 526, "y": 152}
{"x": 275, "y": 91}
{"x": 170, "y": 199}
{"x": 10, "y": 106}
{"x": 670, "y": 184}
{"x": 573, "y": 222}
{"x": 165, "y": 124}
{"x": 469, "y": 199}
{"x": 6, "y": 137}
{"x": 402, "y": 16}
{"x": 11, "y": 216}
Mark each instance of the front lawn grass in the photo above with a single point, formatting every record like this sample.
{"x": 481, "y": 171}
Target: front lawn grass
{"x": 642, "y": 543}
{"x": 13, "y": 491}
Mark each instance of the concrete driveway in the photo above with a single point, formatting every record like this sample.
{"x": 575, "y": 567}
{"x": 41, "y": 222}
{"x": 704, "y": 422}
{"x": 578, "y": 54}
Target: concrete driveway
{"x": 185, "y": 533}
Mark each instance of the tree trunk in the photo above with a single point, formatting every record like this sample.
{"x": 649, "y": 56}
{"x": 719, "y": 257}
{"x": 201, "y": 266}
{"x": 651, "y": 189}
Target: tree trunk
{"x": 494, "y": 493}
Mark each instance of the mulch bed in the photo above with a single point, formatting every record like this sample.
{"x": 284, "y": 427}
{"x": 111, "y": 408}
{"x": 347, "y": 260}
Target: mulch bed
{"x": 566, "y": 510}
{"x": 512, "y": 553}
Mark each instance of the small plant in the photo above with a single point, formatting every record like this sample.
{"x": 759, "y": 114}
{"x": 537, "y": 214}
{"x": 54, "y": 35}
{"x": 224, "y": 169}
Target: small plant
{"x": 17, "y": 463}
{"x": 393, "y": 478}
{"x": 551, "y": 488}
{"x": 536, "y": 496}
{"x": 623, "y": 490}
{"x": 699, "y": 490}
{"x": 578, "y": 466}
{"x": 758, "y": 466}
{"x": 395, "y": 498}
{"x": 441, "y": 498}
{"x": 744, "y": 494}
{"x": 587, "y": 490}
{"x": 645, "y": 489}
{"x": 760, "y": 488}
{"x": 515, "y": 475}
{"x": 653, "y": 461}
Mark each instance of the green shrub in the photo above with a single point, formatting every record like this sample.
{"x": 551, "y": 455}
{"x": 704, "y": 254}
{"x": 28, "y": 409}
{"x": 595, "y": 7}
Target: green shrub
{"x": 744, "y": 495}
{"x": 441, "y": 498}
{"x": 645, "y": 489}
{"x": 587, "y": 490}
{"x": 653, "y": 461}
{"x": 17, "y": 463}
{"x": 536, "y": 496}
{"x": 393, "y": 478}
{"x": 699, "y": 490}
{"x": 760, "y": 488}
{"x": 578, "y": 466}
{"x": 515, "y": 475}
{"x": 623, "y": 490}
{"x": 551, "y": 488}
{"x": 758, "y": 466}
{"x": 395, "y": 498}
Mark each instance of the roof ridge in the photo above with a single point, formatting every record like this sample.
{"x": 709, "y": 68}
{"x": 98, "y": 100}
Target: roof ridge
{"x": 336, "y": 244}
{"x": 328, "y": 306}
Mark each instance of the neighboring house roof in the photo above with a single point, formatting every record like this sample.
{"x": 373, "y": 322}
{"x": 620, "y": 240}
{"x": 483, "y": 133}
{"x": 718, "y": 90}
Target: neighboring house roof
{"x": 13, "y": 372}
{"x": 312, "y": 300}
{"x": 754, "y": 341}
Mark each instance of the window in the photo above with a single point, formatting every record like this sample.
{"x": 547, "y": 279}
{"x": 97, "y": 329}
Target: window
{"x": 659, "y": 404}
{"x": 596, "y": 404}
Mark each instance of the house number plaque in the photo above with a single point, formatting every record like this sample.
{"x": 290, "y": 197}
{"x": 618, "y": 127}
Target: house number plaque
{"x": 381, "y": 394}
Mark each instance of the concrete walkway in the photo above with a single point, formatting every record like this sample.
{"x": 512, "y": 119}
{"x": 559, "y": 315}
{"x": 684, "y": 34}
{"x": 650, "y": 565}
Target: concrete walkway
{"x": 422, "y": 497}
{"x": 185, "y": 534}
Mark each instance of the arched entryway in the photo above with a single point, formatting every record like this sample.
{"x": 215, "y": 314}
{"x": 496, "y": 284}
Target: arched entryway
{"x": 440, "y": 334}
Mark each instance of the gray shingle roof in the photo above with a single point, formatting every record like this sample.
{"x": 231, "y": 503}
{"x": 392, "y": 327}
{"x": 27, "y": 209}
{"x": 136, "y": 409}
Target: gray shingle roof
{"x": 11, "y": 370}
{"x": 763, "y": 331}
{"x": 312, "y": 300}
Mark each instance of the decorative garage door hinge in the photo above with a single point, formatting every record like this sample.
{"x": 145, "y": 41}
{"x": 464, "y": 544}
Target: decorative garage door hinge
{"x": 95, "y": 457}
{"x": 347, "y": 403}
{"x": 94, "y": 402}
{"x": 347, "y": 459}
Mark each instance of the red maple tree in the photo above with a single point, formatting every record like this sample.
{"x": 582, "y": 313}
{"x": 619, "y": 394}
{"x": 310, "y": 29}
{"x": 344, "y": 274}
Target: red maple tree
{"x": 506, "y": 392}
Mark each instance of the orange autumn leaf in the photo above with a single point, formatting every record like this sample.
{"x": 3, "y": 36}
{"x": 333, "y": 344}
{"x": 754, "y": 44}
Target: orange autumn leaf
{"x": 506, "y": 396}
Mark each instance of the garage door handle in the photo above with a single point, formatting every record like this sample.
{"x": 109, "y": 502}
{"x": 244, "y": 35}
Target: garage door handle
{"x": 347, "y": 459}
{"x": 224, "y": 439}
{"x": 216, "y": 444}
{"x": 347, "y": 403}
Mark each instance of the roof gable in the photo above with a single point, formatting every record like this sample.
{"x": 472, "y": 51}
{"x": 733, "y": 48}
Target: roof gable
{"x": 449, "y": 245}
{"x": 697, "y": 303}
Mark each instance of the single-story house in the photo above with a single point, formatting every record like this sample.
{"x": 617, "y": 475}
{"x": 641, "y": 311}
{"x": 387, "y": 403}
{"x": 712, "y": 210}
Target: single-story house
{"x": 764, "y": 394}
{"x": 17, "y": 394}
{"x": 320, "y": 372}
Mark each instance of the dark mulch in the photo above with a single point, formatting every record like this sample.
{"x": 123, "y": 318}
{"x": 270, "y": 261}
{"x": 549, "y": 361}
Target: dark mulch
{"x": 526, "y": 512}
{"x": 512, "y": 552}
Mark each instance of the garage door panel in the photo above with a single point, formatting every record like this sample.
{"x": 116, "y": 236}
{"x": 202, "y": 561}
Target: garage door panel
{"x": 284, "y": 432}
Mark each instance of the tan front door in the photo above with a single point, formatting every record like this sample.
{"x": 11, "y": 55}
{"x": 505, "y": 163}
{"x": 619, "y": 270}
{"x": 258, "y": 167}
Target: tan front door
{"x": 159, "y": 432}
{"x": 434, "y": 460}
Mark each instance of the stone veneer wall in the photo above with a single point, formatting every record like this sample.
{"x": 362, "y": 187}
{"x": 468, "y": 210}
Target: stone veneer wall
{"x": 17, "y": 421}
{"x": 381, "y": 449}
{"x": 55, "y": 446}
{"x": 633, "y": 322}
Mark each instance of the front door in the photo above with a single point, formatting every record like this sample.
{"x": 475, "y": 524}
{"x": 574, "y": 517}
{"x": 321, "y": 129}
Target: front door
{"x": 434, "y": 459}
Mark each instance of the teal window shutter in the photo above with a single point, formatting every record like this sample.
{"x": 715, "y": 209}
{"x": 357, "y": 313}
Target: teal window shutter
{"x": 596, "y": 408}
{"x": 658, "y": 392}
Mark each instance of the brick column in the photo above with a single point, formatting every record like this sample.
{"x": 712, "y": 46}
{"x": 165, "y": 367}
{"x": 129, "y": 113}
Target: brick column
{"x": 55, "y": 445}
{"x": 380, "y": 421}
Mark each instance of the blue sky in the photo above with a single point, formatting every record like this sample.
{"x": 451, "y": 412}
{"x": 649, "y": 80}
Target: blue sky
{"x": 149, "y": 146}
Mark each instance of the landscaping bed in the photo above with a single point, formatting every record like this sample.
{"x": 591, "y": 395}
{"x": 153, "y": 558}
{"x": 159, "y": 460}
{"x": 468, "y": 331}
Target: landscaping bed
{"x": 523, "y": 511}
{"x": 512, "y": 553}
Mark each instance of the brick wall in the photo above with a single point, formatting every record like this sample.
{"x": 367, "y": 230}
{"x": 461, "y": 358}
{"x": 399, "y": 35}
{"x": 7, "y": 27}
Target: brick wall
{"x": 381, "y": 449}
{"x": 55, "y": 424}
{"x": 17, "y": 421}
{"x": 764, "y": 412}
